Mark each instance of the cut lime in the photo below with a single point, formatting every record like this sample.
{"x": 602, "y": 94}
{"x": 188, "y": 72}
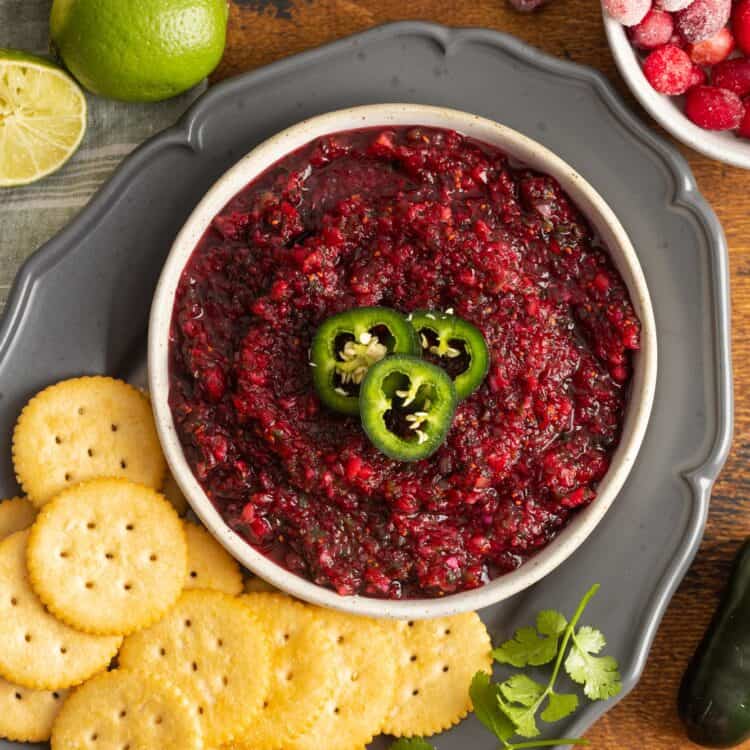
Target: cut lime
{"x": 42, "y": 117}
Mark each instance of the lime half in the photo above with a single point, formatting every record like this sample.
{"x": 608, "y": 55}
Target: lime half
{"x": 42, "y": 117}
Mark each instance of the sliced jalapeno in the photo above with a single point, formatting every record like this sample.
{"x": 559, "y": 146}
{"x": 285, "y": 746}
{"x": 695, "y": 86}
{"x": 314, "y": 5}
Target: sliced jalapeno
{"x": 407, "y": 406}
{"x": 348, "y": 344}
{"x": 456, "y": 345}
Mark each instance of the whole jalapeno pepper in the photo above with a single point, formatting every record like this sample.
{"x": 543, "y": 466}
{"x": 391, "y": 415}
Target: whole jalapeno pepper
{"x": 346, "y": 345}
{"x": 714, "y": 697}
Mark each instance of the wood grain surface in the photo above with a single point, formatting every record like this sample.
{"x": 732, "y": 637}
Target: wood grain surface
{"x": 262, "y": 31}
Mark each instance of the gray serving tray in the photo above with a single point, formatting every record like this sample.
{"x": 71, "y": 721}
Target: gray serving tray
{"x": 80, "y": 304}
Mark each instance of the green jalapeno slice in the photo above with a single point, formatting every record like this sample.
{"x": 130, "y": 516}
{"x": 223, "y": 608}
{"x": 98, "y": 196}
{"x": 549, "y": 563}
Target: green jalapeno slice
{"x": 456, "y": 345}
{"x": 407, "y": 406}
{"x": 346, "y": 345}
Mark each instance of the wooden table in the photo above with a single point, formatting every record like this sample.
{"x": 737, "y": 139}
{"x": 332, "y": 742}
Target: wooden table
{"x": 264, "y": 30}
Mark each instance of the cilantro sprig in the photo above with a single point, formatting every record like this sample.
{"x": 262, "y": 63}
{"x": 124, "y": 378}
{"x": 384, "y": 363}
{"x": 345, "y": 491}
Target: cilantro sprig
{"x": 510, "y": 708}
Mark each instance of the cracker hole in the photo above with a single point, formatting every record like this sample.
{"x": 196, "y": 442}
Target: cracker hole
{"x": 27, "y": 637}
{"x": 123, "y": 713}
{"x": 91, "y": 525}
{"x": 109, "y": 556}
{"x": 63, "y": 650}
{"x": 447, "y": 631}
{"x": 64, "y": 553}
{"x": 162, "y": 651}
{"x": 340, "y": 639}
{"x": 188, "y": 623}
{"x": 126, "y": 746}
{"x": 336, "y": 710}
{"x": 413, "y": 657}
{"x": 193, "y": 574}
{"x": 289, "y": 676}
{"x": 19, "y": 696}
{"x": 94, "y": 737}
{"x": 195, "y": 666}
{"x": 13, "y": 601}
{"x": 410, "y": 623}
{"x": 200, "y": 710}
{"x": 113, "y": 427}
{"x": 158, "y": 720}
{"x": 153, "y": 558}
{"x": 265, "y": 704}
{"x": 68, "y": 477}
{"x": 219, "y": 643}
{"x": 129, "y": 527}
{"x": 89, "y": 585}
{"x": 446, "y": 668}
{"x": 354, "y": 676}
{"x": 225, "y": 681}
{"x": 58, "y": 439}
{"x": 81, "y": 411}
{"x": 123, "y": 463}
{"x": 127, "y": 586}
{"x": 56, "y": 696}
{"x": 415, "y": 691}
{"x": 90, "y": 451}
{"x": 286, "y": 636}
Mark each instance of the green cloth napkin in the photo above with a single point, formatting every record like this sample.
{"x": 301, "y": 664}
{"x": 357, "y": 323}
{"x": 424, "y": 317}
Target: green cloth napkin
{"x": 30, "y": 215}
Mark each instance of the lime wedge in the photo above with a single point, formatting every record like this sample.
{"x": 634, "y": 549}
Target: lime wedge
{"x": 42, "y": 117}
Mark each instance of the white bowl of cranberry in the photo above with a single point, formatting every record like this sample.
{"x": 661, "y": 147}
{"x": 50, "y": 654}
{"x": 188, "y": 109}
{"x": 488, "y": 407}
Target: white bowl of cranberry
{"x": 402, "y": 359}
{"x": 688, "y": 63}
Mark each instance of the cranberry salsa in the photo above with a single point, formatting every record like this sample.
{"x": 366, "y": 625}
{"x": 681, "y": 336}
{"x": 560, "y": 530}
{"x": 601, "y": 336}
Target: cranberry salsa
{"x": 408, "y": 219}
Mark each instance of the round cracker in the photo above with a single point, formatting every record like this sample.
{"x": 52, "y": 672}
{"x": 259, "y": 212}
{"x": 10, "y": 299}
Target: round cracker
{"x": 210, "y": 566}
{"x": 216, "y": 652}
{"x": 438, "y": 659}
{"x": 27, "y": 715}
{"x": 173, "y": 493}
{"x": 83, "y": 429}
{"x": 366, "y": 684}
{"x": 127, "y": 709}
{"x": 16, "y": 514}
{"x": 305, "y": 671}
{"x": 37, "y": 650}
{"x": 120, "y": 549}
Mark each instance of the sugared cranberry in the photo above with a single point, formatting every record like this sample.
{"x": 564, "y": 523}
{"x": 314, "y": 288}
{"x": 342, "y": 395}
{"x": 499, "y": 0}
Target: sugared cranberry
{"x": 669, "y": 70}
{"x": 627, "y": 12}
{"x": 713, "y": 50}
{"x": 733, "y": 75}
{"x": 713, "y": 108}
{"x": 741, "y": 25}
{"x": 653, "y": 31}
{"x": 703, "y": 19}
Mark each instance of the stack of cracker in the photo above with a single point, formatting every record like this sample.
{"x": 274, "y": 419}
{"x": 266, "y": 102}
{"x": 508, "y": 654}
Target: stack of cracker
{"x": 123, "y": 626}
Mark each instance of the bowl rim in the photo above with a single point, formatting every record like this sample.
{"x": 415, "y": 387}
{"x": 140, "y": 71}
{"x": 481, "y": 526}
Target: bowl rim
{"x": 722, "y": 146}
{"x": 605, "y": 224}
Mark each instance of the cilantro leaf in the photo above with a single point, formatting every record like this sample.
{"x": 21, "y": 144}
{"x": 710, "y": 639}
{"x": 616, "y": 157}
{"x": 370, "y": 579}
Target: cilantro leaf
{"x": 559, "y": 706}
{"x": 522, "y": 698}
{"x": 599, "y": 675}
{"x": 528, "y": 648}
{"x": 485, "y": 696}
{"x": 412, "y": 743}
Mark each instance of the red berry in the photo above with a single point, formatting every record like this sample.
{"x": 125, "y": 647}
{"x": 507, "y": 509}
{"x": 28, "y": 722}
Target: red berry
{"x": 669, "y": 70}
{"x": 712, "y": 108}
{"x": 733, "y": 75}
{"x": 653, "y": 31}
{"x": 713, "y": 50}
{"x": 744, "y": 129}
{"x": 741, "y": 25}
{"x": 697, "y": 77}
{"x": 703, "y": 19}
{"x": 627, "y": 12}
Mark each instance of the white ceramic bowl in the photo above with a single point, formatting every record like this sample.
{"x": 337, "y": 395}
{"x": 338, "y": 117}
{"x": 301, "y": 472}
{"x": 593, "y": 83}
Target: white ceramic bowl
{"x": 667, "y": 110}
{"x": 525, "y": 150}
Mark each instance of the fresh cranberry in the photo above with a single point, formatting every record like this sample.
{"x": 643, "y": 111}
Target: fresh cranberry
{"x": 734, "y": 75}
{"x": 713, "y": 50}
{"x": 697, "y": 76}
{"x": 713, "y": 108}
{"x": 741, "y": 25}
{"x": 627, "y": 12}
{"x": 653, "y": 31}
{"x": 703, "y": 19}
{"x": 669, "y": 70}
